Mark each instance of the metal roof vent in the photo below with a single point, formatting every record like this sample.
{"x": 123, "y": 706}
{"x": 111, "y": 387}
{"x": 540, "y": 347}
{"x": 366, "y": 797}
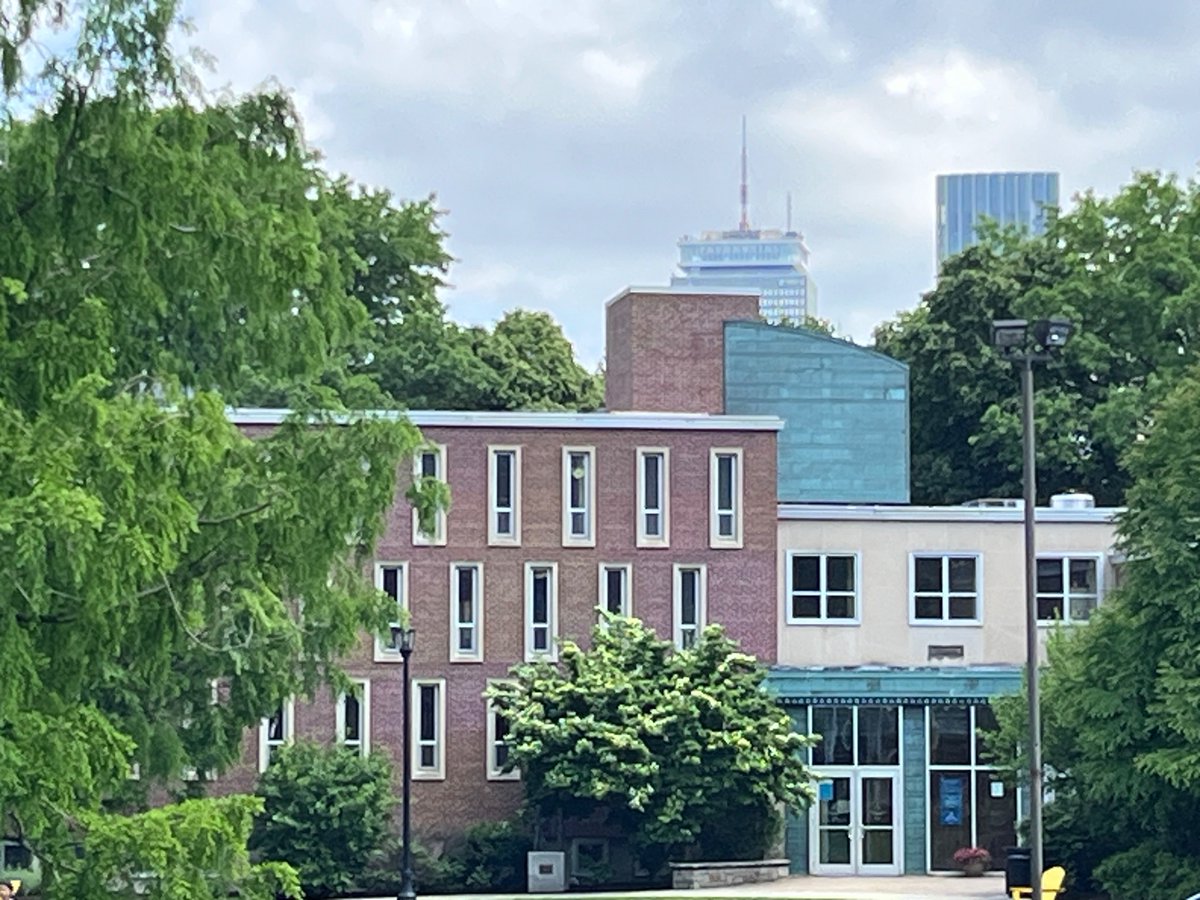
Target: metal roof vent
{"x": 1072, "y": 501}
{"x": 995, "y": 503}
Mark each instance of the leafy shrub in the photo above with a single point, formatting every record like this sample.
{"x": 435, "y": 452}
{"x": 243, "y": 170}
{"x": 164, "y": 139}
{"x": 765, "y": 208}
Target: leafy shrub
{"x": 744, "y": 831}
{"x": 433, "y": 874}
{"x": 1149, "y": 870}
{"x": 325, "y": 811}
{"x": 493, "y": 856}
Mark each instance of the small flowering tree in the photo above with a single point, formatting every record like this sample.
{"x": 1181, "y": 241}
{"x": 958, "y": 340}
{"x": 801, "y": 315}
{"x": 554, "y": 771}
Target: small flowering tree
{"x": 684, "y": 749}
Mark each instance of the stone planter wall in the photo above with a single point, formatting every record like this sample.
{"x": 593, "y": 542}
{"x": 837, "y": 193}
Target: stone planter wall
{"x": 688, "y": 876}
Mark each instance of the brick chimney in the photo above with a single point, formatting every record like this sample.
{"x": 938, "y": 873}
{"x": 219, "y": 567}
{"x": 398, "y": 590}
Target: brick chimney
{"x": 665, "y": 348}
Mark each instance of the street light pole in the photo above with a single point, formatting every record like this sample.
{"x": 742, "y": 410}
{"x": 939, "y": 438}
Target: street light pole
{"x": 1028, "y": 437}
{"x": 404, "y": 640}
{"x": 1023, "y": 343}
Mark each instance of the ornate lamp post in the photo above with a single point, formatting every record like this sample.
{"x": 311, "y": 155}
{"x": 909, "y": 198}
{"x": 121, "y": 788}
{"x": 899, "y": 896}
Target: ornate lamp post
{"x": 1025, "y": 343}
{"x": 404, "y": 639}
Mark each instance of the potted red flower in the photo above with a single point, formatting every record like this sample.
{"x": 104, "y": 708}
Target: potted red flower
{"x": 973, "y": 860}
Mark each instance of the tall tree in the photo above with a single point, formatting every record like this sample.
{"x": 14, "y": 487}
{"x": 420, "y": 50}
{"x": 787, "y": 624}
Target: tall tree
{"x": 1126, "y": 270}
{"x": 156, "y": 250}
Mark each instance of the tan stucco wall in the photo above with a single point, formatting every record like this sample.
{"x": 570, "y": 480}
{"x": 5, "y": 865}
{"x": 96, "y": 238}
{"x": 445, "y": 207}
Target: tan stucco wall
{"x": 885, "y": 635}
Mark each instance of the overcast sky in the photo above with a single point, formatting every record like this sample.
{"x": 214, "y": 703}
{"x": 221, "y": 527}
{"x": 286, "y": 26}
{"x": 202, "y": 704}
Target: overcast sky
{"x": 572, "y": 142}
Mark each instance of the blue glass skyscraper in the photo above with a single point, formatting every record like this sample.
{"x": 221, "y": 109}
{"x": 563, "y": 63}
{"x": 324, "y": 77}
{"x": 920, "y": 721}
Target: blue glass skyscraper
{"x": 1011, "y": 198}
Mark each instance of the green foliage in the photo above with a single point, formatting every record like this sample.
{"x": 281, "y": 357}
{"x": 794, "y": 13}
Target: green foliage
{"x": 1126, "y": 270}
{"x": 1121, "y": 697}
{"x": 671, "y": 745}
{"x": 181, "y": 852}
{"x": 493, "y": 857}
{"x": 325, "y": 810}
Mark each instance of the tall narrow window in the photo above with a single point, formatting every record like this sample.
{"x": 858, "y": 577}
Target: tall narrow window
{"x": 616, "y": 588}
{"x": 353, "y": 719}
{"x": 504, "y": 496}
{"x": 689, "y": 605}
{"x": 275, "y": 731}
{"x": 653, "y": 480}
{"x": 725, "y": 486}
{"x": 497, "y": 747}
{"x": 579, "y": 496}
{"x": 541, "y": 611}
{"x": 466, "y": 612}
{"x": 430, "y": 462}
{"x": 392, "y": 579}
{"x": 429, "y": 725}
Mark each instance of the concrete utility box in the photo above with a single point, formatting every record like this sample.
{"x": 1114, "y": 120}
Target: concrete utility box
{"x": 547, "y": 872}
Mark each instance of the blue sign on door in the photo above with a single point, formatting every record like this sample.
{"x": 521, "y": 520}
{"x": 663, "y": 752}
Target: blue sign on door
{"x": 825, "y": 790}
{"x": 950, "y": 804}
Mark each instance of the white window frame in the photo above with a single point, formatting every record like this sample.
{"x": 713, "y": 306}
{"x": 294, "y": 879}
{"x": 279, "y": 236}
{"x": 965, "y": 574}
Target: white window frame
{"x": 678, "y": 628}
{"x": 494, "y": 772}
{"x": 438, "y": 538}
{"x": 438, "y": 771}
{"x": 551, "y": 654}
{"x": 363, "y": 746}
{"x": 497, "y": 538}
{"x": 1064, "y": 560}
{"x": 265, "y": 745}
{"x": 823, "y": 618}
{"x": 945, "y": 621}
{"x": 602, "y": 587}
{"x": 588, "y": 539}
{"x": 383, "y": 651}
{"x": 663, "y": 539}
{"x": 475, "y": 654}
{"x": 716, "y": 540}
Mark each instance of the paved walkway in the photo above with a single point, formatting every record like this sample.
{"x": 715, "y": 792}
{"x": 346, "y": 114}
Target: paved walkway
{"x": 805, "y": 887}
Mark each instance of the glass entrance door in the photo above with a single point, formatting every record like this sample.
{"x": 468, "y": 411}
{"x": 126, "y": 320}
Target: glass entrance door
{"x": 856, "y": 824}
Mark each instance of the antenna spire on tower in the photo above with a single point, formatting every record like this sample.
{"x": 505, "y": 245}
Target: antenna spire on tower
{"x": 744, "y": 225}
{"x": 789, "y": 212}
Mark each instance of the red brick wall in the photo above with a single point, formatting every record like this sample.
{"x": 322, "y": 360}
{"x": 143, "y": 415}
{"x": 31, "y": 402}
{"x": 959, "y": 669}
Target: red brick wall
{"x": 741, "y": 586}
{"x": 666, "y": 351}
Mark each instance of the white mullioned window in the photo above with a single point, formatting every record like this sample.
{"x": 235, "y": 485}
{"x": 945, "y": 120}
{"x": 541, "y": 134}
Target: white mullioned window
{"x": 616, "y": 588}
{"x": 1068, "y": 587}
{"x": 690, "y": 604}
{"x": 541, "y": 611}
{"x": 945, "y": 588}
{"x": 822, "y": 587}
{"x": 504, "y": 496}
{"x": 429, "y": 729}
{"x": 497, "y": 746}
{"x": 466, "y": 612}
{"x": 653, "y": 488}
{"x": 725, "y": 490}
{"x": 579, "y": 496}
{"x": 275, "y": 731}
{"x": 392, "y": 579}
{"x": 354, "y": 718}
{"x": 430, "y": 462}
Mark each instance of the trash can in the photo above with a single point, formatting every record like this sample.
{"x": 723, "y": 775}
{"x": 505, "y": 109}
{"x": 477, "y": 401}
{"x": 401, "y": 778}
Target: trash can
{"x": 1017, "y": 865}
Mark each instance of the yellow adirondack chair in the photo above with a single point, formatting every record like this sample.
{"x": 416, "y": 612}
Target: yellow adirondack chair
{"x": 1052, "y": 886}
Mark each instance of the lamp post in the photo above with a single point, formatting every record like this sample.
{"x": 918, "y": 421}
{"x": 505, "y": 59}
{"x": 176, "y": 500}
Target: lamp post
{"x": 1025, "y": 343}
{"x": 404, "y": 639}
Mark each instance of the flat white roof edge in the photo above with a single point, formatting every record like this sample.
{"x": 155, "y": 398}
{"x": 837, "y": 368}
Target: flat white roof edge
{"x": 641, "y": 421}
{"x": 799, "y": 512}
{"x": 688, "y": 291}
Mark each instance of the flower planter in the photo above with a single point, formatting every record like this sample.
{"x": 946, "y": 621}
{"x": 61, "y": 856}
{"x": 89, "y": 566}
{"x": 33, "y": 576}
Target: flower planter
{"x": 974, "y": 868}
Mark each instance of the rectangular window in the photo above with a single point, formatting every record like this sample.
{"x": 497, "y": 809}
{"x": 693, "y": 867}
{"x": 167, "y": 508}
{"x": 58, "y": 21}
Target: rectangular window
{"x": 725, "y": 488}
{"x": 579, "y": 496}
{"x": 429, "y": 729}
{"x": 541, "y": 611}
{"x": 466, "y": 612}
{"x": 945, "y": 588}
{"x": 354, "y": 718}
{"x": 497, "y": 747}
{"x": 822, "y": 587}
{"x": 392, "y": 579}
{"x": 1068, "y": 588}
{"x": 653, "y": 481}
{"x": 430, "y": 462}
{"x": 275, "y": 731}
{"x": 504, "y": 496}
{"x": 689, "y": 605}
{"x": 616, "y": 589}
{"x": 855, "y": 735}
